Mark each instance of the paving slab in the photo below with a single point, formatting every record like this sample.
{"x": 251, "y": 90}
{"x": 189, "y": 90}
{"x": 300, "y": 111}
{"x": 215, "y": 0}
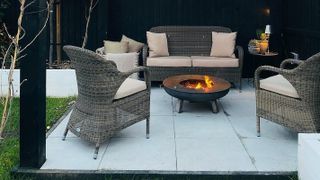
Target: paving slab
{"x": 272, "y": 154}
{"x": 160, "y": 127}
{"x": 193, "y": 126}
{"x": 140, "y": 154}
{"x": 72, "y": 154}
{"x": 194, "y": 140}
{"x": 214, "y": 154}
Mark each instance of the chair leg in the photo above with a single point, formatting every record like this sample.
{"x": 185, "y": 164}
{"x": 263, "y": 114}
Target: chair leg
{"x": 65, "y": 134}
{"x": 95, "y": 155}
{"x": 180, "y": 105}
{"x": 214, "y": 106}
{"x": 258, "y": 126}
{"x": 148, "y": 127}
{"x": 240, "y": 85}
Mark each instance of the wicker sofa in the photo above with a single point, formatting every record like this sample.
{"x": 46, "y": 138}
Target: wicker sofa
{"x": 193, "y": 42}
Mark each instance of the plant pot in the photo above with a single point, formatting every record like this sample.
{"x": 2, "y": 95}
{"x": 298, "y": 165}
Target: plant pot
{"x": 264, "y": 47}
{"x": 254, "y": 49}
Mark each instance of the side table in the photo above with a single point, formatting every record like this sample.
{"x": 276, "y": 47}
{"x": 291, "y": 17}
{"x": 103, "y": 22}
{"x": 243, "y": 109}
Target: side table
{"x": 268, "y": 58}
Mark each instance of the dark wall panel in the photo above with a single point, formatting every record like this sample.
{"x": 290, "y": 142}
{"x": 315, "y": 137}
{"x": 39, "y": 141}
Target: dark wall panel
{"x": 73, "y": 23}
{"x": 135, "y": 17}
{"x": 302, "y": 27}
{"x": 298, "y": 21}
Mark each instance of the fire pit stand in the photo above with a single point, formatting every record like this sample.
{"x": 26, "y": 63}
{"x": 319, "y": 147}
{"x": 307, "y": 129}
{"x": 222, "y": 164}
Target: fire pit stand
{"x": 178, "y": 87}
{"x": 214, "y": 106}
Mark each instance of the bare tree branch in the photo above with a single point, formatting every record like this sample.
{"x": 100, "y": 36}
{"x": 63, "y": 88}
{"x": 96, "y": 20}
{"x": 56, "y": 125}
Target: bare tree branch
{"x": 23, "y": 81}
{"x": 5, "y": 58}
{"x": 23, "y": 33}
{"x": 36, "y": 12}
{"x": 20, "y": 57}
{"x": 6, "y": 30}
{"x": 41, "y": 30}
{"x": 97, "y": 1}
{"x": 15, "y": 47}
{"x": 29, "y": 4}
{"x": 92, "y": 6}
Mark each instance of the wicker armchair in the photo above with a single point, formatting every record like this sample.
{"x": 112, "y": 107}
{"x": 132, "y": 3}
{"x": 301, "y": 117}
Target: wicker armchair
{"x": 108, "y": 100}
{"x": 296, "y": 107}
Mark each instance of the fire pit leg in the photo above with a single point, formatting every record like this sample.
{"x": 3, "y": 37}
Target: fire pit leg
{"x": 180, "y": 105}
{"x": 215, "y": 107}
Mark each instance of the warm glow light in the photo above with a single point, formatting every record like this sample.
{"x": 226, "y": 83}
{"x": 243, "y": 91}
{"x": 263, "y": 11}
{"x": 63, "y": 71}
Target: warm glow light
{"x": 198, "y": 86}
{"x": 208, "y": 81}
{"x": 266, "y": 11}
{"x": 205, "y": 84}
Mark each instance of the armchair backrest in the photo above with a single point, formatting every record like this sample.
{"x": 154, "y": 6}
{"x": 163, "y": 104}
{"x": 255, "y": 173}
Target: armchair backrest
{"x": 189, "y": 40}
{"x": 306, "y": 80}
{"x": 97, "y": 78}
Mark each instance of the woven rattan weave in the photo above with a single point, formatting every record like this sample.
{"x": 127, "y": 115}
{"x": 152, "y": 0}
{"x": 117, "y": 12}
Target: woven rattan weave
{"x": 193, "y": 41}
{"x": 299, "y": 114}
{"x": 96, "y": 115}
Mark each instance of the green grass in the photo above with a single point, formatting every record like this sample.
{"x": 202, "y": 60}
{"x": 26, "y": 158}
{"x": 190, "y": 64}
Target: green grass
{"x": 9, "y": 147}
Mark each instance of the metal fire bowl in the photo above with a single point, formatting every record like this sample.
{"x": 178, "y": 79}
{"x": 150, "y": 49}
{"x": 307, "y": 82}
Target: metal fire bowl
{"x": 173, "y": 87}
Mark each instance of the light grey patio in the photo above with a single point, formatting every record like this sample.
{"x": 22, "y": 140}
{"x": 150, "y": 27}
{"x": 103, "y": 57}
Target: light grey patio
{"x": 195, "y": 140}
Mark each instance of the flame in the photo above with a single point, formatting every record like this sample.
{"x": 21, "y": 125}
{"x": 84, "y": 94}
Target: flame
{"x": 205, "y": 84}
{"x": 208, "y": 81}
{"x": 198, "y": 86}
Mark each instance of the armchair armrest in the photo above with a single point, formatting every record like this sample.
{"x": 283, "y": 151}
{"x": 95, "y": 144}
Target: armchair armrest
{"x": 138, "y": 69}
{"x": 100, "y": 51}
{"x": 290, "y": 61}
{"x": 283, "y": 72}
{"x": 240, "y": 53}
{"x": 145, "y": 50}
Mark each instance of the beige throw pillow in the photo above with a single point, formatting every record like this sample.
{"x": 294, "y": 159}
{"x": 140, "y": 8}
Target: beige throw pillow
{"x": 134, "y": 46}
{"x": 158, "y": 44}
{"x": 115, "y": 47}
{"x": 124, "y": 61}
{"x": 223, "y": 44}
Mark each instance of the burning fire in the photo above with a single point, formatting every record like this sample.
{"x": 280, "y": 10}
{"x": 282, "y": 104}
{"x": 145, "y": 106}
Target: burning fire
{"x": 208, "y": 81}
{"x": 205, "y": 84}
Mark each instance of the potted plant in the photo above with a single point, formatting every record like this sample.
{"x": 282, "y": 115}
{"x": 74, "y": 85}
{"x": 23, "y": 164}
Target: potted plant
{"x": 259, "y": 45}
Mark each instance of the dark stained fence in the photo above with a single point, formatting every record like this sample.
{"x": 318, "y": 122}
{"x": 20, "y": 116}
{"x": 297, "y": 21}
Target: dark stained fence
{"x": 73, "y": 23}
{"x": 134, "y": 17}
{"x": 302, "y": 27}
{"x": 295, "y": 23}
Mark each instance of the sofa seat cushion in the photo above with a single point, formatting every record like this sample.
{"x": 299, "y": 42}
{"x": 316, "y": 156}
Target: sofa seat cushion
{"x": 207, "y": 61}
{"x": 170, "y": 61}
{"x": 280, "y": 85}
{"x": 129, "y": 87}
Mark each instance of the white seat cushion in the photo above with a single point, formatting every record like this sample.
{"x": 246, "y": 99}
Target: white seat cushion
{"x": 170, "y": 61}
{"x": 124, "y": 61}
{"x": 280, "y": 85}
{"x": 129, "y": 87}
{"x": 207, "y": 61}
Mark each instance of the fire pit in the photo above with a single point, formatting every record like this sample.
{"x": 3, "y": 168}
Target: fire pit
{"x": 196, "y": 88}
